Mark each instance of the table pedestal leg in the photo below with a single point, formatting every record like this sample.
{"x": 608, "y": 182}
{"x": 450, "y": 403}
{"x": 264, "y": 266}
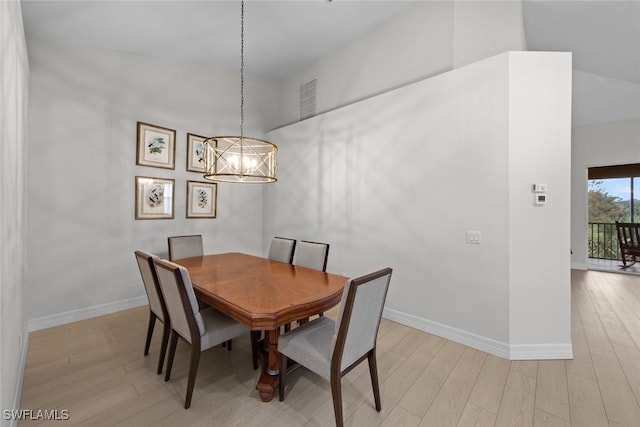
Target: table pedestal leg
{"x": 268, "y": 383}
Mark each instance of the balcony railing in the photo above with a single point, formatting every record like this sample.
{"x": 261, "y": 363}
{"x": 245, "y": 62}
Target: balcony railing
{"x": 603, "y": 241}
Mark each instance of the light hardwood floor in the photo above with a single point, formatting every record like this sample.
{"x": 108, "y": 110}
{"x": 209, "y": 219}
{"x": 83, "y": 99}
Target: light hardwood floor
{"x": 95, "y": 369}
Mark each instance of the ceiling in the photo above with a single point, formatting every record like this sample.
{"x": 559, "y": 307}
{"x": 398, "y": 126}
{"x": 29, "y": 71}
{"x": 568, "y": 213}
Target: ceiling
{"x": 604, "y": 36}
{"x": 280, "y": 36}
{"x": 284, "y": 36}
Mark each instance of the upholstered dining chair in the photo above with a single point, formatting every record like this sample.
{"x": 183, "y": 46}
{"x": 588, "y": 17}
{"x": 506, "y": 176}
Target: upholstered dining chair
{"x": 311, "y": 255}
{"x": 157, "y": 307}
{"x": 332, "y": 348}
{"x": 185, "y": 246}
{"x": 281, "y": 249}
{"x": 202, "y": 329}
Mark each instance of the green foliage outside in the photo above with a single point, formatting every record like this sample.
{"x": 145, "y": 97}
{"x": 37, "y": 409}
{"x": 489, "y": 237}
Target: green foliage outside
{"x": 604, "y": 211}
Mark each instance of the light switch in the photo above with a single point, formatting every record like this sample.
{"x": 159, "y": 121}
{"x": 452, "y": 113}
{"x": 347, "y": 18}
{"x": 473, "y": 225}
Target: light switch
{"x": 473, "y": 237}
{"x": 539, "y": 188}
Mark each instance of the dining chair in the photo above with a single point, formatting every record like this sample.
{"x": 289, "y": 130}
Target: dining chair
{"x": 311, "y": 255}
{"x": 157, "y": 306}
{"x": 185, "y": 246}
{"x": 202, "y": 329}
{"x": 281, "y": 249}
{"x": 331, "y": 348}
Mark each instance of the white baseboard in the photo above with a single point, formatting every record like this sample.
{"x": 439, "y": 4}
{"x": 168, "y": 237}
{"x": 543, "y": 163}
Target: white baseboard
{"x": 488, "y": 345}
{"x": 23, "y": 364}
{"x": 85, "y": 313}
{"x": 541, "y": 351}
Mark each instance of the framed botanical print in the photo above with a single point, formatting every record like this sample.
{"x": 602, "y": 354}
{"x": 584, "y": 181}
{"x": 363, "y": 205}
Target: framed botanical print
{"x": 154, "y": 198}
{"x": 195, "y": 153}
{"x": 201, "y": 199}
{"x": 156, "y": 146}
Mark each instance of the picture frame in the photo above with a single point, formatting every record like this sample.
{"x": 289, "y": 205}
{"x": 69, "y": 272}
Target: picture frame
{"x": 195, "y": 153}
{"x": 156, "y": 146}
{"x": 202, "y": 199}
{"x": 154, "y": 198}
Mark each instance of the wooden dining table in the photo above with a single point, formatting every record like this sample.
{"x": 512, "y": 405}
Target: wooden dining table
{"x": 263, "y": 295}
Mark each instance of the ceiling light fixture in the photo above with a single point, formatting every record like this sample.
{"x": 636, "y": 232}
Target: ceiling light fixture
{"x": 240, "y": 158}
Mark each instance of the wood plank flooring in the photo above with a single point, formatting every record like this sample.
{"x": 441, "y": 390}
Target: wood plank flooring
{"x": 95, "y": 369}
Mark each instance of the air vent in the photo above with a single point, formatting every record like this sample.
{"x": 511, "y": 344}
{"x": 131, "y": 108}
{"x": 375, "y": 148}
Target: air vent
{"x": 308, "y": 99}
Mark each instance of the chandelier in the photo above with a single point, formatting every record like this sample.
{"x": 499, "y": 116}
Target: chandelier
{"x": 240, "y": 158}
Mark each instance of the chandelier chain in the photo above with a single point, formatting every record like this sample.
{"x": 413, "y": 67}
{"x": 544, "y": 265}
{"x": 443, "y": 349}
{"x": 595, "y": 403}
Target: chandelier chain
{"x": 241, "y": 70}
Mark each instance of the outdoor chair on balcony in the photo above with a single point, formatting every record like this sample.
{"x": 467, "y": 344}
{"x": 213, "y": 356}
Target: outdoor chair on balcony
{"x": 629, "y": 241}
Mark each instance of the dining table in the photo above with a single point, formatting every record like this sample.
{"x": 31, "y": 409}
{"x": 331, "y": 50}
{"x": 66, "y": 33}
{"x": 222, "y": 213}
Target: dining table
{"x": 263, "y": 295}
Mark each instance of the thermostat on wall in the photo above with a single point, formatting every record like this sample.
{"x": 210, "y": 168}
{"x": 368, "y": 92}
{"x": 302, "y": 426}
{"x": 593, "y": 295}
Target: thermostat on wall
{"x": 540, "y": 199}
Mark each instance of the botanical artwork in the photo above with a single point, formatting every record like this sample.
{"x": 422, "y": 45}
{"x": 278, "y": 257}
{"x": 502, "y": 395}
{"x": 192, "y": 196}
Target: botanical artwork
{"x": 156, "y": 146}
{"x": 201, "y": 199}
{"x": 154, "y": 198}
{"x": 204, "y": 198}
{"x": 195, "y": 153}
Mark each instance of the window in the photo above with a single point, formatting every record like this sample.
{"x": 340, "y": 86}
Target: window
{"x": 611, "y": 198}
{"x": 611, "y": 194}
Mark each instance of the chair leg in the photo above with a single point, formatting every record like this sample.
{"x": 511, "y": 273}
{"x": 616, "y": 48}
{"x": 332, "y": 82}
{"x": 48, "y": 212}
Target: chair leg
{"x": 163, "y": 347}
{"x": 373, "y": 370}
{"x": 193, "y": 370}
{"x": 229, "y": 345}
{"x": 152, "y": 322}
{"x": 336, "y": 393}
{"x": 283, "y": 375}
{"x": 255, "y": 337}
{"x": 172, "y": 352}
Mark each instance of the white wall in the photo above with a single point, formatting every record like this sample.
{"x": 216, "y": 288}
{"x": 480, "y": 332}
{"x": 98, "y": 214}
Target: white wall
{"x": 85, "y": 103}
{"x": 601, "y": 144}
{"x": 430, "y": 38}
{"x": 14, "y": 83}
{"x": 397, "y": 180}
{"x": 539, "y": 236}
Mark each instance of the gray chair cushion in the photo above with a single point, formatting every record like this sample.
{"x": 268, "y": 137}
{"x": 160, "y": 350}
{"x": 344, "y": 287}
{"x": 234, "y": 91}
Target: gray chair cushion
{"x": 193, "y": 300}
{"x": 310, "y": 345}
{"x": 173, "y": 302}
{"x": 311, "y": 255}
{"x": 218, "y": 328}
{"x": 185, "y": 246}
{"x": 365, "y": 318}
{"x": 149, "y": 283}
{"x": 281, "y": 249}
